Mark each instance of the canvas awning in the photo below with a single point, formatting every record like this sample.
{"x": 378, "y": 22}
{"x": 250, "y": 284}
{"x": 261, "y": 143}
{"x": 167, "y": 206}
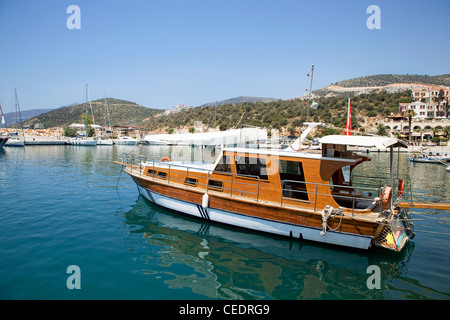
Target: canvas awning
{"x": 363, "y": 141}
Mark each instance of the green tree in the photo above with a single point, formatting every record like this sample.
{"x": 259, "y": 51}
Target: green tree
{"x": 382, "y": 130}
{"x": 90, "y": 131}
{"x": 447, "y": 131}
{"x": 70, "y": 132}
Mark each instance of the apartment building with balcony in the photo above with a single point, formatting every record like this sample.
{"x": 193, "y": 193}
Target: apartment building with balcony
{"x": 428, "y": 102}
{"x": 430, "y": 93}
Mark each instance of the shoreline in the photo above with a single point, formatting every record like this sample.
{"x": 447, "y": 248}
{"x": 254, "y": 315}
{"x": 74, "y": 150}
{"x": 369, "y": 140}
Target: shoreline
{"x": 55, "y": 137}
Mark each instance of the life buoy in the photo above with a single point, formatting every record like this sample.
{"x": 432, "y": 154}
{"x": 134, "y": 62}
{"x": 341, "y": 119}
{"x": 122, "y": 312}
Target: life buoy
{"x": 165, "y": 159}
{"x": 401, "y": 186}
{"x": 386, "y": 198}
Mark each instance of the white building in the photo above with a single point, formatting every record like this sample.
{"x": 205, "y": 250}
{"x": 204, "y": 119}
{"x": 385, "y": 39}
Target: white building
{"x": 425, "y": 110}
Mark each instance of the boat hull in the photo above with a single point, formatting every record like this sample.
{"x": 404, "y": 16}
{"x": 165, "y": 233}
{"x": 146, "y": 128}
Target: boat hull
{"x": 3, "y": 140}
{"x": 430, "y": 160}
{"x": 105, "y": 142}
{"x": 255, "y": 223}
{"x": 80, "y": 142}
{"x": 15, "y": 143}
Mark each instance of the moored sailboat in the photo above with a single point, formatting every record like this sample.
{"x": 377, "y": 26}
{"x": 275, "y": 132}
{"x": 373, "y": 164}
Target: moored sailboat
{"x": 14, "y": 139}
{"x": 84, "y": 141}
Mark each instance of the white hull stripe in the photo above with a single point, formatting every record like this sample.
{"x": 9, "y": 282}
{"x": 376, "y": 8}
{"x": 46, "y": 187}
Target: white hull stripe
{"x": 255, "y": 223}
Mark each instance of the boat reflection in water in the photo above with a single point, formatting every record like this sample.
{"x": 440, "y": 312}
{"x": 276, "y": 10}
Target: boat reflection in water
{"x": 224, "y": 262}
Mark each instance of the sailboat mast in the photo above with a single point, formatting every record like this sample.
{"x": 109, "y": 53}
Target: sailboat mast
{"x": 106, "y": 106}
{"x": 86, "y": 114}
{"x": 107, "y": 119}
{"x": 3, "y": 118}
{"x": 20, "y": 115}
{"x": 90, "y": 104}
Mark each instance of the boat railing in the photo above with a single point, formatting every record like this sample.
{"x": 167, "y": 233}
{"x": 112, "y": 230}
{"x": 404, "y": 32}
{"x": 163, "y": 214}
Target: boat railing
{"x": 249, "y": 186}
{"x": 372, "y": 181}
{"x": 232, "y": 183}
{"x": 352, "y": 197}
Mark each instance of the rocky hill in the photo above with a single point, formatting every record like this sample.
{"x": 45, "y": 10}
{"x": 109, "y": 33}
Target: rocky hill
{"x": 381, "y": 82}
{"x": 388, "y": 79}
{"x": 121, "y": 112}
{"x": 241, "y": 99}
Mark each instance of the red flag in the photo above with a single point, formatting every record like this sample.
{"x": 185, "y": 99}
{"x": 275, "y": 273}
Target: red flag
{"x": 348, "y": 128}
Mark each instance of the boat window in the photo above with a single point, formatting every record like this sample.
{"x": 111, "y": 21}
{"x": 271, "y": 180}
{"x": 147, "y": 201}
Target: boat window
{"x": 224, "y": 165}
{"x": 292, "y": 179}
{"x": 251, "y": 167}
{"x": 162, "y": 174}
{"x": 346, "y": 171}
{"x": 341, "y": 176}
{"x": 215, "y": 184}
{"x": 190, "y": 181}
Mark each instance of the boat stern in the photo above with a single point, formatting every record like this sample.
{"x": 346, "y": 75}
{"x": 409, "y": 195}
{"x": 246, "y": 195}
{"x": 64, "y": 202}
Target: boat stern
{"x": 395, "y": 231}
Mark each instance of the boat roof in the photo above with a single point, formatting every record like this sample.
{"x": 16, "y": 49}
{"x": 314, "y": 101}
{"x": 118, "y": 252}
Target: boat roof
{"x": 286, "y": 153}
{"x": 363, "y": 141}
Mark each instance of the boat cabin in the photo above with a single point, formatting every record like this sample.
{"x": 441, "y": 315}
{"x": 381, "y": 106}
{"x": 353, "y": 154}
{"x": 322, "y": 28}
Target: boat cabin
{"x": 308, "y": 180}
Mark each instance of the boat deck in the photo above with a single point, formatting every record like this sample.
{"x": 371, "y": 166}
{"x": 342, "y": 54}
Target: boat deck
{"x": 137, "y": 170}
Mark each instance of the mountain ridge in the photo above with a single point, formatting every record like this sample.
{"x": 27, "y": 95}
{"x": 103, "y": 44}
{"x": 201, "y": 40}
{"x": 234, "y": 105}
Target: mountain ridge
{"x": 240, "y": 99}
{"x": 121, "y": 112}
{"x": 380, "y": 80}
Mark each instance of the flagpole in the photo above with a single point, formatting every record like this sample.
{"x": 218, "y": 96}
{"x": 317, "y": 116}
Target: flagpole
{"x": 349, "y": 120}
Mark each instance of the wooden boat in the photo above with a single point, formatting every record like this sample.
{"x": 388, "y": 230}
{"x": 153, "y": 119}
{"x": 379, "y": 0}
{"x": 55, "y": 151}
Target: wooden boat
{"x": 303, "y": 195}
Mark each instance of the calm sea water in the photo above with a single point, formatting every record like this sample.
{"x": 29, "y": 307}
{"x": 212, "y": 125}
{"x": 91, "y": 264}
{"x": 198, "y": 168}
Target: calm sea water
{"x": 65, "y": 205}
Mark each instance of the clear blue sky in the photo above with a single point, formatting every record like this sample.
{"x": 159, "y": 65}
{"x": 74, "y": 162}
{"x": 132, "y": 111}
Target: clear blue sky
{"x": 160, "y": 53}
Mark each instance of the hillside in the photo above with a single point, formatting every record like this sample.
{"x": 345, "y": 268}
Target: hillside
{"x": 10, "y": 117}
{"x": 387, "y": 79}
{"x": 285, "y": 114}
{"x": 372, "y": 97}
{"x": 241, "y": 99}
{"x": 392, "y": 83}
{"x": 121, "y": 112}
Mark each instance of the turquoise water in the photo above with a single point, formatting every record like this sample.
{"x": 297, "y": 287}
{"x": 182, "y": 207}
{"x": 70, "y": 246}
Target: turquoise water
{"x": 60, "y": 207}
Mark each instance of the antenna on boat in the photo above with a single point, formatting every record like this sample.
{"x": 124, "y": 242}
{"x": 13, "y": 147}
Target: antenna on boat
{"x": 310, "y": 89}
{"x": 237, "y": 125}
